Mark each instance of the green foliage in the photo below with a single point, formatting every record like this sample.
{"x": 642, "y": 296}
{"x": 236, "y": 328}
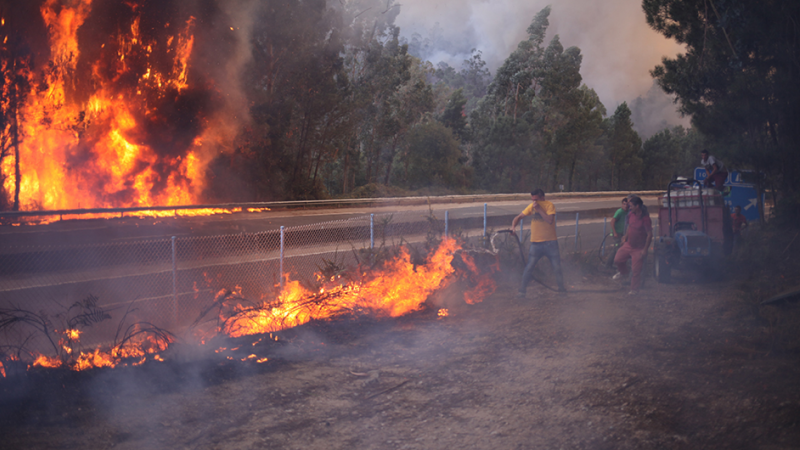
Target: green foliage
{"x": 538, "y": 126}
{"x": 669, "y": 154}
{"x": 434, "y": 157}
{"x": 453, "y": 116}
{"x": 624, "y": 146}
{"x": 473, "y": 79}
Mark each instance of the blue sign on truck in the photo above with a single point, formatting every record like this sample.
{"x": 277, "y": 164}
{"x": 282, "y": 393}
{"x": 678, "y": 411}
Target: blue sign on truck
{"x": 742, "y": 194}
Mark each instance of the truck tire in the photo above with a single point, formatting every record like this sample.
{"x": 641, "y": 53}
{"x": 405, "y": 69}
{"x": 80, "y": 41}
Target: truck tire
{"x": 663, "y": 269}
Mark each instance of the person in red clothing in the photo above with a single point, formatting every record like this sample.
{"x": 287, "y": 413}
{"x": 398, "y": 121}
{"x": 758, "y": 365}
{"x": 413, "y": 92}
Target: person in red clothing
{"x": 635, "y": 243}
{"x": 738, "y": 222}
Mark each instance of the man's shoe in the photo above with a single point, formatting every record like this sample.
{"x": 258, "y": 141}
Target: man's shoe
{"x": 633, "y": 292}
{"x": 617, "y": 276}
{"x": 520, "y": 294}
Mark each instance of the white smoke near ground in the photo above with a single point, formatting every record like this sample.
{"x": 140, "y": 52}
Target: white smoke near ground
{"x": 619, "y": 49}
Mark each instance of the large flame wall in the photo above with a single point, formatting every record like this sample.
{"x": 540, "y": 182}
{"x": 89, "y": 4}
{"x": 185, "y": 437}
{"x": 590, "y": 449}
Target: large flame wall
{"x": 119, "y": 108}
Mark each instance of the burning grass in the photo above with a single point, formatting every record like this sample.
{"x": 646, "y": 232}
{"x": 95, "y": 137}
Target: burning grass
{"x": 390, "y": 288}
{"x": 131, "y": 346}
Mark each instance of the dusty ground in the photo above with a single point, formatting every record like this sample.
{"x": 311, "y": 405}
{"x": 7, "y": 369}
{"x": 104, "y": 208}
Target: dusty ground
{"x": 684, "y": 366}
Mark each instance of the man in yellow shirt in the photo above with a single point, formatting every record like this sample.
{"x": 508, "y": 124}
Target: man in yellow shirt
{"x": 543, "y": 239}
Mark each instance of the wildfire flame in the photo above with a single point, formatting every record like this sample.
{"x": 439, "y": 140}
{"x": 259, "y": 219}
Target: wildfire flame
{"x": 398, "y": 288}
{"x": 114, "y": 124}
{"x": 133, "y": 351}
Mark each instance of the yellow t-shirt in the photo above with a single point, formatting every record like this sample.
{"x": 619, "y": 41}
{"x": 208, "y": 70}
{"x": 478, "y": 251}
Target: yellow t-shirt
{"x": 542, "y": 231}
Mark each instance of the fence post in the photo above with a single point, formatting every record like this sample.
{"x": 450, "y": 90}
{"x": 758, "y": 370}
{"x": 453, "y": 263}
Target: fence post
{"x": 446, "y": 219}
{"x": 281, "y": 266}
{"x": 174, "y": 281}
{"x": 603, "y": 247}
{"x": 484, "y": 220}
{"x": 372, "y": 231}
{"x": 577, "y": 215}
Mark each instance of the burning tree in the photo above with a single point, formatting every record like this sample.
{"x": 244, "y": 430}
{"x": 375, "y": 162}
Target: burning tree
{"x": 118, "y": 107}
{"x": 15, "y": 69}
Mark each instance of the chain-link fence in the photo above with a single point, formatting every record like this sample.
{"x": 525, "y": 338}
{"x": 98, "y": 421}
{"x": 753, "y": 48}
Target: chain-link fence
{"x": 170, "y": 282}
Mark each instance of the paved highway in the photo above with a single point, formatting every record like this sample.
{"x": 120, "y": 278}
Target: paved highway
{"x": 95, "y": 231}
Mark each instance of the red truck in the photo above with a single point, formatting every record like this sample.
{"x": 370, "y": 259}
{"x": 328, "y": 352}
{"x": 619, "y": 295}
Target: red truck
{"x": 694, "y": 229}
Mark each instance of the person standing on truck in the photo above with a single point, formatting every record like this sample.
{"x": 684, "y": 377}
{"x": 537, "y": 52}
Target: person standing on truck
{"x": 544, "y": 241}
{"x": 635, "y": 244}
{"x": 715, "y": 171}
{"x": 618, "y": 223}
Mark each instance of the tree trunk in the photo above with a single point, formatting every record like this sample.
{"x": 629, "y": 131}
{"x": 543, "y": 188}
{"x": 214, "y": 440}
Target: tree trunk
{"x": 15, "y": 143}
{"x": 391, "y": 160}
{"x": 370, "y": 155}
{"x": 572, "y": 172}
{"x": 345, "y": 168}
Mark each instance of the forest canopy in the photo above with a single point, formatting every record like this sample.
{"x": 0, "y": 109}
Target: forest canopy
{"x": 339, "y": 104}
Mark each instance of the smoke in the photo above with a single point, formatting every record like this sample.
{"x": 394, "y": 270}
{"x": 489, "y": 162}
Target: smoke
{"x": 618, "y": 47}
{"x": 652, "y": 112}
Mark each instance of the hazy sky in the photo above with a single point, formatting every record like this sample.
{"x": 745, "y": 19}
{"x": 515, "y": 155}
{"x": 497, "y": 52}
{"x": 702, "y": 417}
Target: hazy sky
{"x": 618, "y": 47}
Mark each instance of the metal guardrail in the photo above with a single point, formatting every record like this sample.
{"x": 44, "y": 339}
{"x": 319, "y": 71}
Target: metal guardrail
{"x": 170, "y": 281}
{"x": 315, "y": 204}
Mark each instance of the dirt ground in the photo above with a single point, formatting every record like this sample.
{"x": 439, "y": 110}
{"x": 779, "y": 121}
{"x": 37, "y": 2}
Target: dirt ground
{"x": 682, "y": 366}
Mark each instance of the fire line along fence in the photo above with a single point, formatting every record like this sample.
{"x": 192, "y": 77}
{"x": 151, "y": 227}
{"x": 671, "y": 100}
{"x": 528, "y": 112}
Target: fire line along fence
{"x": 169, "y": 282}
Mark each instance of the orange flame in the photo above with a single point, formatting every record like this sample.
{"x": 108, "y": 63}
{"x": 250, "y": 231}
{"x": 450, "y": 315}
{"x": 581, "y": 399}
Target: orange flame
{"x": 84, "y": 143}
{"x": 135, "y": 349}
{"x": 398, "y": 289}
{"x": 484, "y": 286}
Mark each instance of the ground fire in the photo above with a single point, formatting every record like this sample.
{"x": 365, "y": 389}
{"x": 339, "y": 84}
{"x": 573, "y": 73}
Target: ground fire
{"x": 398, "y": 287}
{"x": 110, "y": 112}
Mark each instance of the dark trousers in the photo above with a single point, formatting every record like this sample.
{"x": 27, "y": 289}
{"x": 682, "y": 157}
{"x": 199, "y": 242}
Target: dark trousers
{"x": 717, "y": 180}
{"x": 536, "y": 252}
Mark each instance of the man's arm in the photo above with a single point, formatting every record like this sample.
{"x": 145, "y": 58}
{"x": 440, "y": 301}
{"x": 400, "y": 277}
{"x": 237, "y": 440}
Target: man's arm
{"x": 516, "y": 221}
{"x": 613, "y": 226}
{"x": 549, "y": 218}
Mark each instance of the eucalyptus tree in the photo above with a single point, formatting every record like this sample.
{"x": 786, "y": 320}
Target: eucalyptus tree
{"x": 671, "y": 153}
{"x": 536, "y": 121}
{"x": 297, "y": 87}
{"x": 623, "y": 146}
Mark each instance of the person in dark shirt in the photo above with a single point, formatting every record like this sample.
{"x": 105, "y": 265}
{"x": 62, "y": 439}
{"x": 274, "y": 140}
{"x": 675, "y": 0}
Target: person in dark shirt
{"x": 635, "y": 244}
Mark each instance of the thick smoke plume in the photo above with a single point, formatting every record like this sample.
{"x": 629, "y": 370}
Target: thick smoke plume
{"x": 618, "y": 47}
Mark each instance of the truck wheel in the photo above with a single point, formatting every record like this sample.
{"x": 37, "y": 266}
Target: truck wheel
{"x": 663, "y": 269}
